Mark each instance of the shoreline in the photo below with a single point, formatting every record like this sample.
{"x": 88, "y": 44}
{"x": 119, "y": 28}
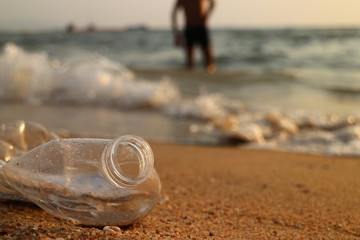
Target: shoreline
{"x": 225, "y": 193}
{"x": 324, "y": 135}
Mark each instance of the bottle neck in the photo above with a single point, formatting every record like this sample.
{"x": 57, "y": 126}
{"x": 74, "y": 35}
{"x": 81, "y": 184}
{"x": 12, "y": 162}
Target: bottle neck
{"x": 127, "y": 161}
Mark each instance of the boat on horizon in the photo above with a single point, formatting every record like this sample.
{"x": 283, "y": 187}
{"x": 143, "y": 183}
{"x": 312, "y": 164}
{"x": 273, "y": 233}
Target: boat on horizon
{"x": 91, "y": 28}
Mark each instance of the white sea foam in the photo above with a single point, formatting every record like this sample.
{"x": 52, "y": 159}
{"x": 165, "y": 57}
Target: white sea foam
{"x": 33, "y": 77}
{"x": 30, "y": 77}
{"x": 24, "y": 76}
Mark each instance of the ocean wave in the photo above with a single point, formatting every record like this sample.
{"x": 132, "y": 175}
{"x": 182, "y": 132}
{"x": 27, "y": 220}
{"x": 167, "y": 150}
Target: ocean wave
{"x": 82, "y": 79}
{"x": 34, "y": 77}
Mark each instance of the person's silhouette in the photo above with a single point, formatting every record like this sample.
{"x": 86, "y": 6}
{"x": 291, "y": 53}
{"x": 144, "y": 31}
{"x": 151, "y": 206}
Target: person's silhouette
{"x": 196, "y": 14}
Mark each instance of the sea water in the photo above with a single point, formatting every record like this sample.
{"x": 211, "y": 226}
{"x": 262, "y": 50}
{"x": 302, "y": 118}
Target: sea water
{"x": 287, "y": 89}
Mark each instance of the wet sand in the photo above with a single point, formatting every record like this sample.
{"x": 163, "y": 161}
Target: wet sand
{"x": 225, "y": 193}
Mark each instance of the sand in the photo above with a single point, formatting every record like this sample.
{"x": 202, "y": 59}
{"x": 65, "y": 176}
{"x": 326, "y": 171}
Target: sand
{"x": 224, "y": 193}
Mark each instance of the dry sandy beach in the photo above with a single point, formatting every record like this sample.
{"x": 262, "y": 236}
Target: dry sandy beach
{"x": 224, "y": 193}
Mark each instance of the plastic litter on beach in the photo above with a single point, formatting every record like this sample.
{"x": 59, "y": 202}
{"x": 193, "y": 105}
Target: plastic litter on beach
{"x": 95, "y": 182}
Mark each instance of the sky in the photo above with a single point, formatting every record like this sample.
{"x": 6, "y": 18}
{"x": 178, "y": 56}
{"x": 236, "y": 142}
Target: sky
{"x": 42, "y": 14}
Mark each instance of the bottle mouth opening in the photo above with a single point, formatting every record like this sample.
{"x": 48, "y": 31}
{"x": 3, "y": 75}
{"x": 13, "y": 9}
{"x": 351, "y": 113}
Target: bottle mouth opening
{"x": 127, "y": 161}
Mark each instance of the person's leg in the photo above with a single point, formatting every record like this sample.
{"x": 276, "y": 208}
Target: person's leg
{"x": 209, "y": 60}
{"x": 189, "y": 51}
{"x": 189, "y": 34}
{"x": 207, "y": 51}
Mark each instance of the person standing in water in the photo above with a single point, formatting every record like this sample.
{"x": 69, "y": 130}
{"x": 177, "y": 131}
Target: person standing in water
{"x": 196, "y": 14}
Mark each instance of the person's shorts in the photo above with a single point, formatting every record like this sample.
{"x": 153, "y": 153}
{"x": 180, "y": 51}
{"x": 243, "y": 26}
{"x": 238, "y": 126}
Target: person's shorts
{"x": 196, "y": 35}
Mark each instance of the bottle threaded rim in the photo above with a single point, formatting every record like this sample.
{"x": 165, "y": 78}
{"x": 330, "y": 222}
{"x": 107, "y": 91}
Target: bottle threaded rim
{"x": 125, "y": 151}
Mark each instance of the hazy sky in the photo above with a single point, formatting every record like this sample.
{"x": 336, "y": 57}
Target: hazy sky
{"x": 156, "y": 13}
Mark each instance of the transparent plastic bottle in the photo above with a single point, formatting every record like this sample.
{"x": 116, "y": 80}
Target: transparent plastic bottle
{"x": 94, "y": 182}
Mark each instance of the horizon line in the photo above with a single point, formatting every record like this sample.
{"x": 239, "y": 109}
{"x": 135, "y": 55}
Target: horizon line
{"x": 215, "y": 27}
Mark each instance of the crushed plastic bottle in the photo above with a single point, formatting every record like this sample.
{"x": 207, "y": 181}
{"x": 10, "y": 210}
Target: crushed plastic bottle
{"x": 18, "y": 137}
{"x": 94, "y": 182}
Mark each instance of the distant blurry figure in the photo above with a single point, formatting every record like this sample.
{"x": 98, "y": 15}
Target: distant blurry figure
{"x": 91, "y": 28}
{"x": 196, "y": 14}
{"x": 71, "y": 28}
